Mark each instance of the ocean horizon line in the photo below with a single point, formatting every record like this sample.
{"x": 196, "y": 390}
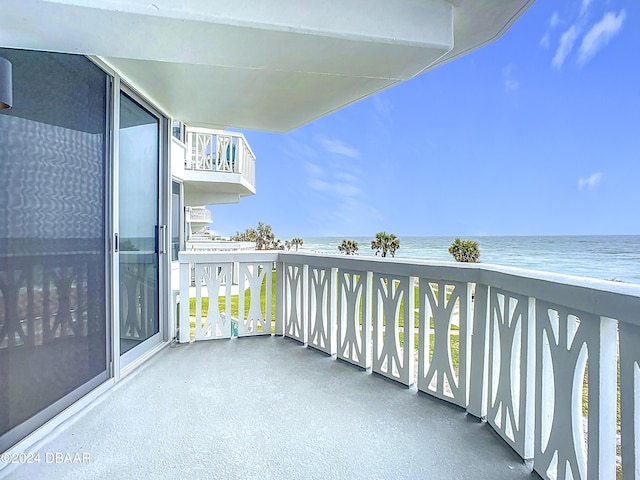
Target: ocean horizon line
{"x": 527, "y": 235}
{"x": 606, "y": 257}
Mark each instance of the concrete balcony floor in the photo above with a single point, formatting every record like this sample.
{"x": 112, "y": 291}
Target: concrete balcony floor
{"x": 270, "y": 408}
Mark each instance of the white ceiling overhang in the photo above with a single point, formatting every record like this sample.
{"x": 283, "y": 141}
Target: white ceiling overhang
{"x": 269, "y": 65}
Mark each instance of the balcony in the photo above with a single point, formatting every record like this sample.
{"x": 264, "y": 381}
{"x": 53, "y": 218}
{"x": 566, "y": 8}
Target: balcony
{"x": 549, "y": 361}
{"x": 198, "y": 215}
{"x": 269, "y": 408}
{"x": 423, "y": 350}
{"x": 219, "y": 167}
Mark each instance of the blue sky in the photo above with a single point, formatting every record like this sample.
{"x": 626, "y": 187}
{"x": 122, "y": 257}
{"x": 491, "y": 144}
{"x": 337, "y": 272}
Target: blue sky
{"x": 535, "y": 134}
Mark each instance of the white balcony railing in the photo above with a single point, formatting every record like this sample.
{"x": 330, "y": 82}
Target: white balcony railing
{"x": 220, "y": 151}
{"x": 512, "y": 346}
{"x": 198, "y": 214}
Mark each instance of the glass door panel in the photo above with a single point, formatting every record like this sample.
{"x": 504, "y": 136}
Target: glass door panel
{"x": 138, "y": 229}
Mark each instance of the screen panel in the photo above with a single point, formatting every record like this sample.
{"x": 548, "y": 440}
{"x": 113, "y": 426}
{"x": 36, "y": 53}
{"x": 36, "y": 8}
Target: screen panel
{"x": 53, "y": 288}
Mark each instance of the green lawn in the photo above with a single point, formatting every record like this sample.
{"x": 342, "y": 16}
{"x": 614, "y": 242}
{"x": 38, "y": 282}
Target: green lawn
{"x": 454, "y": 342}
{"x": 235, "y": 303}
{"x": 263, "y": 300}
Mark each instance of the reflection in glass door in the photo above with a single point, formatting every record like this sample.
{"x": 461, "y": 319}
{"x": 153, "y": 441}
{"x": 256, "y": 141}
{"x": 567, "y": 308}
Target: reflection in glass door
{"x": 138, "y": 229}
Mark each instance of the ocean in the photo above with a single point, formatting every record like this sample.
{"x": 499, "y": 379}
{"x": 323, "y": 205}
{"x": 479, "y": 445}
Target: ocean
{"x": 604, "y": 257}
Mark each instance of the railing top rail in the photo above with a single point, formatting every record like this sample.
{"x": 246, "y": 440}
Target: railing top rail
{"x": 213, "y": 131}
{"x": 233, "y": 256}
{"x": 601, "y": 297}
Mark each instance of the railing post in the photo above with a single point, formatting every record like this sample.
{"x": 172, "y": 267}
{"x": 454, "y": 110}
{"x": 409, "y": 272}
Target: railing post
{"x": 306, "y": 318}
{"x": 409, "y": 330}
{"x": 629, "y": 400}
{"x": 478, "y": 387}
{"x": 367, "y": 319}
{"x": 279, "y": 298}
{"x": 333, "y": 316}
{"x": 529, "y": 405}
{"x": 188, "y": 158}
{"x": 240, "y": 153}
{"x": 465, "y": 338}
{"x": 602, "y": 410}
{"x": 185, "y": 280}
{"x": 215, "y": 152}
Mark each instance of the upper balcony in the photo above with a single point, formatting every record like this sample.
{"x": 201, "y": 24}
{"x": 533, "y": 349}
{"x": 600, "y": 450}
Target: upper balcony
{"x": 217, "y": 167}
{"x": 198, "y": 215}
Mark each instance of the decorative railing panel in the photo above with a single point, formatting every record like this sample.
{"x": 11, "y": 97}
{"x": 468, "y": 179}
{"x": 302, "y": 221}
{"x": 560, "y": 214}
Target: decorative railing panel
{"x": 446, "y": 306}
{"x": 540, "y": 365}
{"x": 52, "y": 331}
{"x": 220, "y": 151}
{"x": 64, "y": 287}
{"x": 138, "y": 303}
{"x": 354, "y": 317}
{"x": 198, "y": 214}
{"x": 295, "y": 325}
{"x": 322, "y": 309}
{"x": 565, "y": 341}
{"x": 217, "y": 323}
{"x": 393, "y": 303}
{"x": 254, "y": 277}
{"x": 510, "y": 381}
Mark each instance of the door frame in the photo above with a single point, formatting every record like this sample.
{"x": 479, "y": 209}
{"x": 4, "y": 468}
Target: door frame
{"x": 123, "y": 364}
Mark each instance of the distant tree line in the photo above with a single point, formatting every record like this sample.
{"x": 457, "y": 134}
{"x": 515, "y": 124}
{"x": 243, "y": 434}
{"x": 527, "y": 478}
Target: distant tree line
{"x": 384, "y": 244}
{"x": 387, "y": 244}
{"x": 265, "y": 239}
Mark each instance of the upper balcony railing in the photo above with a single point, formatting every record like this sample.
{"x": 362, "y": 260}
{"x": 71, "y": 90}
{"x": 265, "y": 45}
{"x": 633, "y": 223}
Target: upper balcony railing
{"x": 550, "y": 361}
{"x": 198, "y": 214}
{"x": 220, "y": 151}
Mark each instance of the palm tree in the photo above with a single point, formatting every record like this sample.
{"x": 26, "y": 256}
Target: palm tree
{"x": 287, "y": 244}
{"x": 385, "y": 243}
{"x": 297, "y": 241}
{"x": 349, "y": 247}
{"x": 249, "y": 235}
{"x": 265, "y": 237}
{"x": 465, "y": 251}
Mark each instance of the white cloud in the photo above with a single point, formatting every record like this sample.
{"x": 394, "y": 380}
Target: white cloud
{"x": 511, "y": 84}
{"x": 600, "y": 35}
{"x": 546, "y": 40}
{"x": 319, "y": 185}
{"x": 336, "y": 184}
{"x": 585, "y": 6}
{"x": 590, "y": 182}
{"x": 383, "y": 107}
{"x": 554, "y": 21}
{"x": 345, "y": 177}
{"x": 313, "y": 169}
{"x": 345, "y": 189}
{"x": 339, "y": 148}
{"x": 567, "y": 40}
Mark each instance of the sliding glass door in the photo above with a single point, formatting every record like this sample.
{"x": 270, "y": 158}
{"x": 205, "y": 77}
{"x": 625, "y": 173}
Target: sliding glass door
{"x": 141, "y": 236}
{"x": 54, "y": 292}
